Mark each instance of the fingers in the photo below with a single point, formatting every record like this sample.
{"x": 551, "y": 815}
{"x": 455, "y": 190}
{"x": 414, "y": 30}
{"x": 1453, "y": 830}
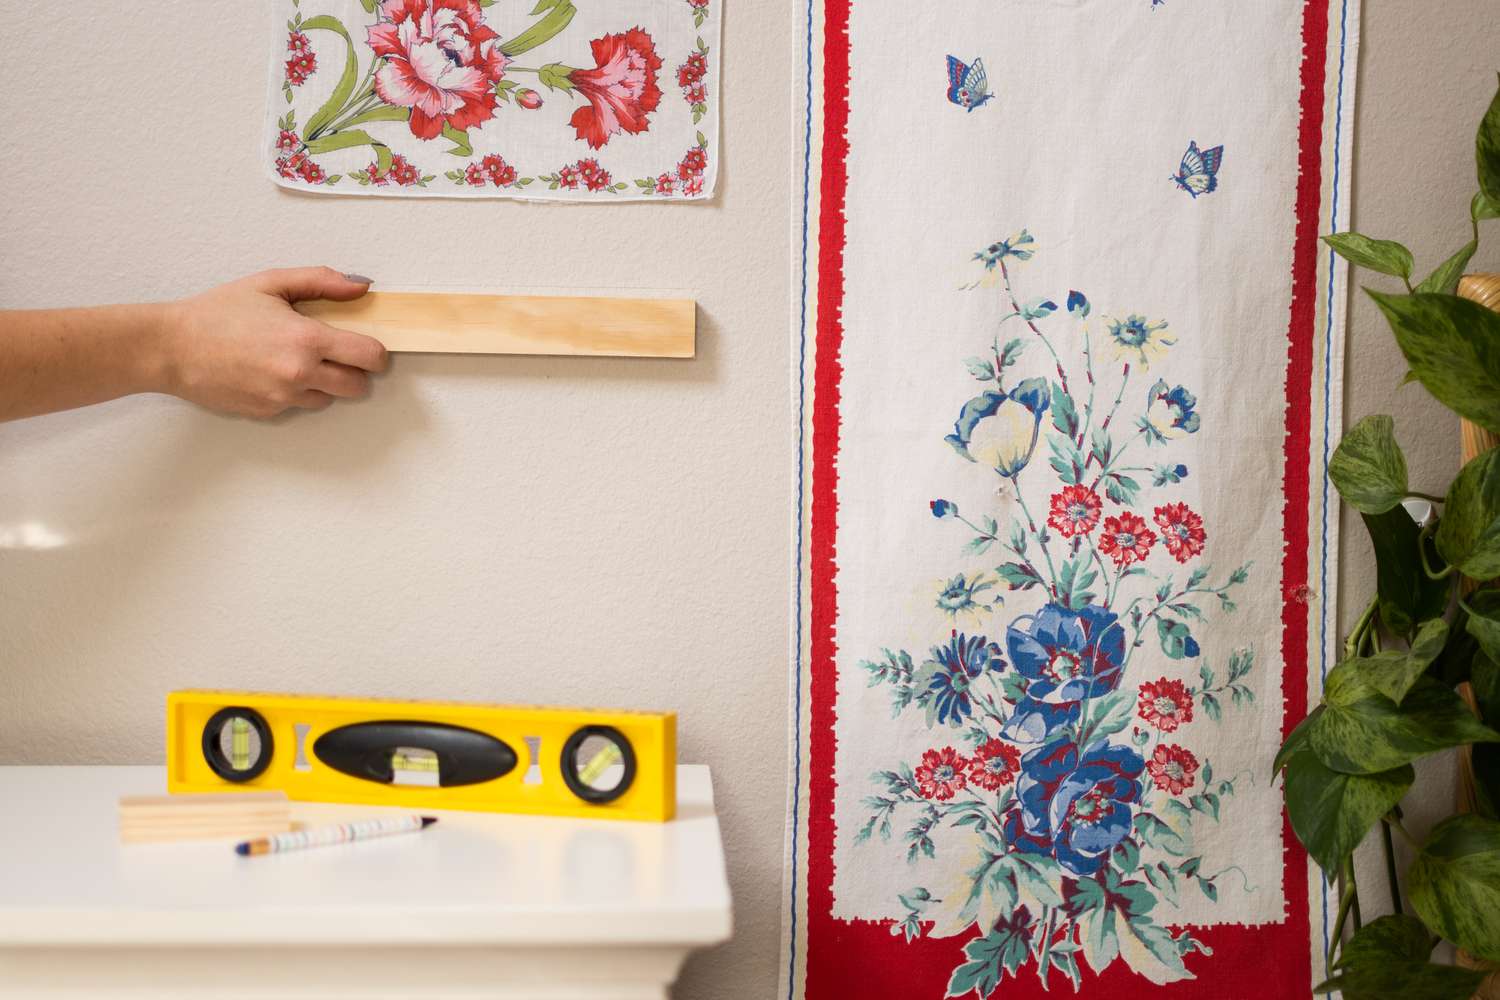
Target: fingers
{"x": 339, "y": 380}
{"x": 352, "y": 349}
{"x": 297, "y": 283}
{"x": 312, "y": 399}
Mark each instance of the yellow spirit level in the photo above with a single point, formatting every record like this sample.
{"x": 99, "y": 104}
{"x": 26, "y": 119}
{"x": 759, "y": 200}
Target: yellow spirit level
{"x": 425, "y": 754}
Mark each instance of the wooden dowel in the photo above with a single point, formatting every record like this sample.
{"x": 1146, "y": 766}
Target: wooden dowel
{"x": 517, "y": 324}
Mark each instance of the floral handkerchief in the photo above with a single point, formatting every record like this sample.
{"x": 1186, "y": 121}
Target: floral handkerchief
{"x": 533, "y": 99}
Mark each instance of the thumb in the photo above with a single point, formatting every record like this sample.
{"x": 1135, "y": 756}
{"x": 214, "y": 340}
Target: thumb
{"x": 297, "y": 283}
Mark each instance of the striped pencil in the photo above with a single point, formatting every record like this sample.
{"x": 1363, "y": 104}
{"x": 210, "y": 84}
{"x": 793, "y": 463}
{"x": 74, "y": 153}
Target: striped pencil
{"x": 338, "y": 833}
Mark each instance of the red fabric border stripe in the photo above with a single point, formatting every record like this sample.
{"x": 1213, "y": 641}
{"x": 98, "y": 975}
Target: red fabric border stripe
{"x": 842, "y": 957}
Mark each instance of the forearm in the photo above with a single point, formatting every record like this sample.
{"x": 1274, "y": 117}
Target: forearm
{"x": 56, "y": 359}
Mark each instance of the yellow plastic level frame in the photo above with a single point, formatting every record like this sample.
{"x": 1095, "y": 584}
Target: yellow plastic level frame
{"x": 537, "y": 736}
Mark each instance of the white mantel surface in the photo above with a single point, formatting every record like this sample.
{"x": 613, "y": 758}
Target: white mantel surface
{"x": 479, "y": 905}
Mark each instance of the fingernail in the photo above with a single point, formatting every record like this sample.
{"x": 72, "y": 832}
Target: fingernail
{"x": 360, "y": 278}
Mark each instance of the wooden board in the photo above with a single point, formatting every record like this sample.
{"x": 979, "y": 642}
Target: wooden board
{"x": 517, "y": 324}
{"x": 243, "y": 815}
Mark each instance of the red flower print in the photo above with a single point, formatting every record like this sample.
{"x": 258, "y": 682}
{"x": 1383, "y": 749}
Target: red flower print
{"x": 664, "y": 184}
{"x": 1165, "y": 704}
{"x": 401, "y": 172}
{"x": 693, "y": 163}
{"x": 693, "y": 70}
{"x": 287, "y": 141}
{"x": 1126, "y": 539}
{"x": 440, "y": 59}
{"x": 1075, "y": 511}
{"x": 300, "y": 67}
{"x": 1181, "y": 530}
{"x": 621, "y": 89}
{"x": 1172, "y": 768}
{"x": 475, "y": 176}
{"x": 700, "y": 4}
{"x": 500, "y": 172}
{"x": 567, "y": 177}
{"x": 994, "y": 764}
{"x": 941, "y": 774}
{"x": 298, "y": 44}
{"x": 693, "y": 185}
{"x": 528, "y": 99}
{"x": 288, "y": 166}
{"x": 696, "y": 94}
{"x": 404, "y": 173}
{"x": 311, "y": 172}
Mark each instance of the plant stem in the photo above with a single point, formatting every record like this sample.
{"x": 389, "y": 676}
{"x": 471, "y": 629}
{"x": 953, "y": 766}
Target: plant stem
{"x": 1390, "y": 868}
{"x": 1356, "y": 637}
{"x": 1346, "y": 899}
{"x": 1394, "y": 821}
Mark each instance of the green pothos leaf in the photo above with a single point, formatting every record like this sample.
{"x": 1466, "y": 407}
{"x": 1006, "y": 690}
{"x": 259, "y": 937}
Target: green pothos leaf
{"x": 1387, "y": 959}
{"x": 1455, "y": 884}
{"x": 1332, "y": 812}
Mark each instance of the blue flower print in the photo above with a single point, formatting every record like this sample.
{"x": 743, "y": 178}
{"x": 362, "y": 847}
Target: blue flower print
{"x": 1015, "y": 247}
{"x": 1067, "y": 655}
{"x": 1083, "y": 806}
{"x": 1170, "y": 413}
{"x": 1035, "y": 721}
{"x": 962, "y": 594}
{"x": 1000, "y": 429}
{"x": 1137, "y": 337}
{"x": 943, "y": 508}
{"x": 947, "y": 677}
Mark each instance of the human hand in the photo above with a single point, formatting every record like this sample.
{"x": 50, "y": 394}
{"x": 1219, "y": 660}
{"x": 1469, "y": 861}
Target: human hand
{"x": 240, "y": 348}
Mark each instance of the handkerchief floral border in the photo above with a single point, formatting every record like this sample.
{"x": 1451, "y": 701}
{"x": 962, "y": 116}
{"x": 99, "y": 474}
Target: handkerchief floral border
{"x": 422, "y": 85}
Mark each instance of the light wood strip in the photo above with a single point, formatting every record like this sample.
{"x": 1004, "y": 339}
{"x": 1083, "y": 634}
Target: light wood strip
{"x": 517, "y": 324}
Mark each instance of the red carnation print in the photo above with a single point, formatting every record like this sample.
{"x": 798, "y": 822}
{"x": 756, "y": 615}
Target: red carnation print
{"x": 696, "y": 94}
{"x": 664, "y": 184}
{"x": 440, "y": 59}
{"x": 474, "y": 175}
{"x": 1181, "y": 530}
{"x": 693, "y": 185}
{"x": 1172, "y": 768}
{"x": 1075, "y": 511}
{"x": 311, "y": 172}
{"x": 500, "y": 173}
{"x": 298, "y": 44}
{"x": 300, "y": 67}
{"x": 568, "y": 177}
{"x": 994, "y": 764}
{"x": 1126, "y": 539}
{"x": 621, "y": 88}
{"x": 289, "y": 167}
{"x": 941, "y": 774}
{"x": 401, "y": 173}
{"x": 694, "y": 162}
{"x": 693, "y": 70}
{"x": 1165, "y": 704}
{"x": 287, "y": 141}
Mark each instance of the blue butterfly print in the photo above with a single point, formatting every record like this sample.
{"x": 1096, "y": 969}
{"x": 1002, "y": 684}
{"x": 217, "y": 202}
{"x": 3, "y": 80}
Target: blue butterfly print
{"x": 1199, "y": 172}
{"x": 968, "y": 87}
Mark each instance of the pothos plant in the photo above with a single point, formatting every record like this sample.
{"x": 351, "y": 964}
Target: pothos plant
{"x": 1428, "y": 630}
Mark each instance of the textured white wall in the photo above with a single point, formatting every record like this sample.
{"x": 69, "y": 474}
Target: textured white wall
{"x": 592, "y": 532}
{"x": 571, "y": 531}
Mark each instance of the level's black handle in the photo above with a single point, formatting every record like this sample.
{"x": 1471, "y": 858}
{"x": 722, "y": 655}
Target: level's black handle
{"x": 465, "y": 756}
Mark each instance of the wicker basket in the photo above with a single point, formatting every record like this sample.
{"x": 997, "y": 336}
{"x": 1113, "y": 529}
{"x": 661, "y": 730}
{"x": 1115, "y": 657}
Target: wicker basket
{"x": 1484, "y": 289}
